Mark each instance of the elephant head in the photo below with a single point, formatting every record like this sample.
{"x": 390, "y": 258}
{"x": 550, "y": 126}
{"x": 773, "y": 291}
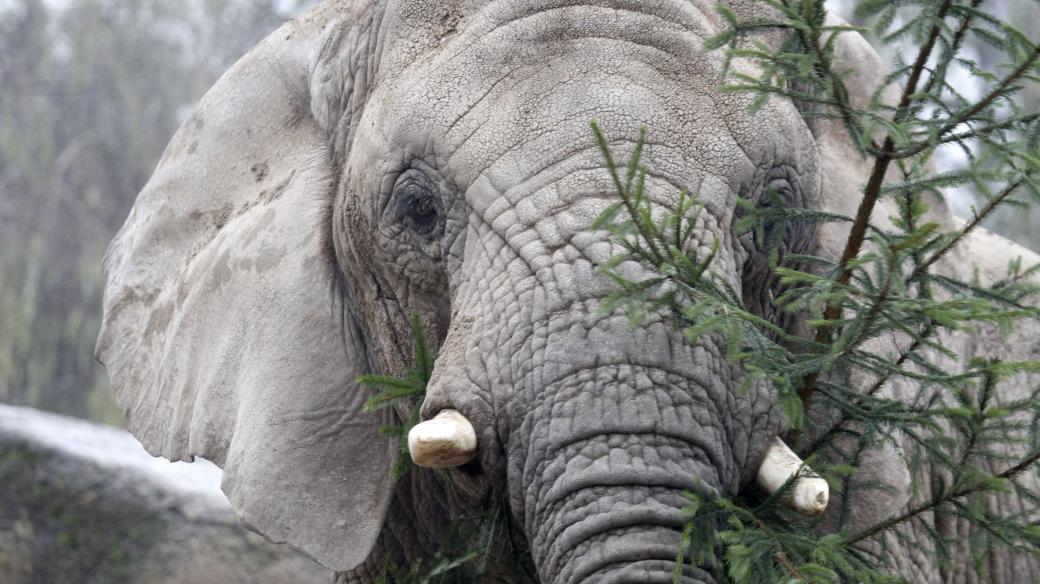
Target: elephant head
{"x": 379, "y": 158}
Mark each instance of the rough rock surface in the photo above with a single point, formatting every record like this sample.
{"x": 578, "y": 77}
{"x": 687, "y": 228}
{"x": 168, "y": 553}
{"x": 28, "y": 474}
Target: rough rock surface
{"x": 86, "y": 504}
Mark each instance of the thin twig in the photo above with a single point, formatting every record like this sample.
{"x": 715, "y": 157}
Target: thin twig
{"x": 979, "y": 217}
{"x": 957, "y": 494}
{"x": 963, "y": 136}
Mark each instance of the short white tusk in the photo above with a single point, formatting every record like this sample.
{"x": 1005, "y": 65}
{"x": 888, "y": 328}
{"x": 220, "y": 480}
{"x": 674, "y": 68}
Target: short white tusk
{"x": 446, "y": 441}
{"x": 809, "y": 495}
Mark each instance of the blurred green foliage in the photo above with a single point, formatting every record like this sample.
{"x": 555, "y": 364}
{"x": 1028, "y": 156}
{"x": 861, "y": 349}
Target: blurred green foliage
{"x": 90, "y": 93}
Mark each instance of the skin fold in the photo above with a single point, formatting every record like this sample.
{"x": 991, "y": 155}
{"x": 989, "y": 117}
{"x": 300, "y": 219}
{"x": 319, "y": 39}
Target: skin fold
{"x": 371, "y": 160}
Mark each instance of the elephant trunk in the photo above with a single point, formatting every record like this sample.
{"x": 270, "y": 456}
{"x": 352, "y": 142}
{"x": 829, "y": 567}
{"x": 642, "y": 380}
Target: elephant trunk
{"x": 612, "y": 452}
{"x": 632, "y": 548}
{"x": 605, "y": 426}
{"x": 599, "y": 529}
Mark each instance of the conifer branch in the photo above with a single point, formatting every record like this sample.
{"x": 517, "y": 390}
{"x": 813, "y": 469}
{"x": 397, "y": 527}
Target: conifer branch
{"x": 872, "y": 391}
{"x": 996, "y": 93}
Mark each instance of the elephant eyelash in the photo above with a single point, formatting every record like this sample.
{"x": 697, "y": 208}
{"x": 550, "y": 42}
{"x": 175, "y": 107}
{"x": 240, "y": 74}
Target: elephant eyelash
{"x": 424, "y": 211}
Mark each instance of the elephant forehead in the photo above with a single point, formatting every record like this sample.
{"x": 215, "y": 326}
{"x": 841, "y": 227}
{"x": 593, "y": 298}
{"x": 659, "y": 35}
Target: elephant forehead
{"x": 527, "y": 53}
{"x": 416, "y": 26}
{"x": 512, "y": 107}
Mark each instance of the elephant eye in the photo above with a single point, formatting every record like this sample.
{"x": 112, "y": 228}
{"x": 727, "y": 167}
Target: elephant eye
{"x": 424, "y": 210}
{"x": 418, "y": 204}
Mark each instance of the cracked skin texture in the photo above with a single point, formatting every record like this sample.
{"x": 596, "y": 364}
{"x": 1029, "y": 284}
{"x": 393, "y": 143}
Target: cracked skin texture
{"x": 277, "y": 252}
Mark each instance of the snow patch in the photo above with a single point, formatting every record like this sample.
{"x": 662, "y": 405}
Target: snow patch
{"x": 115, "y": 449}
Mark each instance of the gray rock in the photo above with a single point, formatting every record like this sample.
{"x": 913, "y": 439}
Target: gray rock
{"x": 86, "y": 504}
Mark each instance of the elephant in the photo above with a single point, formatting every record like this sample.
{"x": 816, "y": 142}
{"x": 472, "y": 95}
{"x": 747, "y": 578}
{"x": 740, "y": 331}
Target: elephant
{"x": 375, "y": 159}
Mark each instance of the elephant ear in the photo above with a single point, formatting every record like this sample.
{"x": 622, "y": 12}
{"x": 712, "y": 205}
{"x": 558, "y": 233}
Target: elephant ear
{"x": 227, "y": 334}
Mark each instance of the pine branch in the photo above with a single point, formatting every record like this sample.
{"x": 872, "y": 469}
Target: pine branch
{"x": 625, "y": 188}
{"x": 955, "y": 43}
{"x": 885, "y": 289}
{"x": 872, "y": 391}
{"x": 781, "y": 557}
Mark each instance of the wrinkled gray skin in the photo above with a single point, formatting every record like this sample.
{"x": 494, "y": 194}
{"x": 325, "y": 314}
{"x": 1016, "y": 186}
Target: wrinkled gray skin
{"x": 378, "y": 158}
